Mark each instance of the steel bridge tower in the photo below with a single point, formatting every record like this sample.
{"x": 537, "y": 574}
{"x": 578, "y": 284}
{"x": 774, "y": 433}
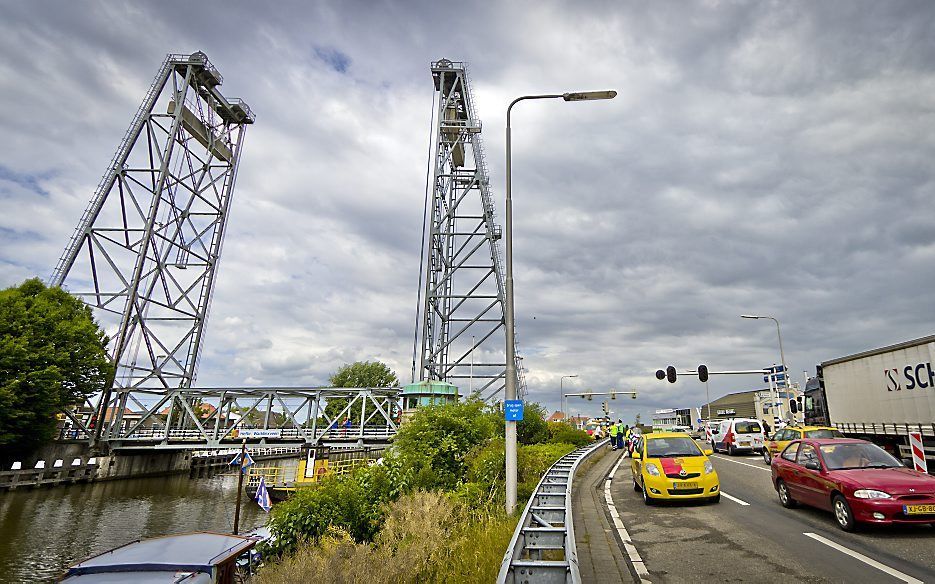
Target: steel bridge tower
{"x": 463, "y": 326}
{"x": 145, "y": 253}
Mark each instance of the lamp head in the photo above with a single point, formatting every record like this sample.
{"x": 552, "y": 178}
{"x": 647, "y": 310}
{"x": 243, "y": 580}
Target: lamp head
{"x": 749, "y": 316}
{"x": 588, "y": 95}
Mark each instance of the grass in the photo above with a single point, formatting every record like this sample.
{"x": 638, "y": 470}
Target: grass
{"x": 427, "y": 537}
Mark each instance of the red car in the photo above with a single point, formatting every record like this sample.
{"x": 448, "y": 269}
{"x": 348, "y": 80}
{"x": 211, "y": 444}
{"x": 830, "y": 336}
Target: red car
{"x": 856, "y": 480}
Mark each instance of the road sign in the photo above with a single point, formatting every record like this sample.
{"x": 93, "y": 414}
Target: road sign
{"x": 513, "y": 410}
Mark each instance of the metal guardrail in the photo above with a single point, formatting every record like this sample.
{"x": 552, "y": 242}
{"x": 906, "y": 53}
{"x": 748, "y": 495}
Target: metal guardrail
{"x": 543, "y": 546}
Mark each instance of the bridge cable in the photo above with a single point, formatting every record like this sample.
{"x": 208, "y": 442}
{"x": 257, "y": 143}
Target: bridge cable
{"x": 424, "y": 250}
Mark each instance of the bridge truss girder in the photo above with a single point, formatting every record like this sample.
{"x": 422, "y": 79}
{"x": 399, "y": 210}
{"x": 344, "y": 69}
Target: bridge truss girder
{"x": 213, "y": 418}
{"x": 463, "y": 325}
{"x": 145, "y": 253}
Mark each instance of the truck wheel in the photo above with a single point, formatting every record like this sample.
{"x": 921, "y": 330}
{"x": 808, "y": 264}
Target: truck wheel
{"x": 842, "y": 513}
{"x": 784, "y": 497}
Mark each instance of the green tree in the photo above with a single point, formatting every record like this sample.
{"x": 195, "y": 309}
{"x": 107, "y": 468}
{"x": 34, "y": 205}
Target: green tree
{"x": 52, "y": 354}
{"x": 358, "y": 374}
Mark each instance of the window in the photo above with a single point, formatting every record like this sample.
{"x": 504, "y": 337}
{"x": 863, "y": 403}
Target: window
{"x": 807, "y": 453}
{"x": 790, "y": 451}
{"x": 857, "y": 455}
{"x": 671, "y": 447}
{"x": 823, "y": 434}
{"x": 748, "y": 428}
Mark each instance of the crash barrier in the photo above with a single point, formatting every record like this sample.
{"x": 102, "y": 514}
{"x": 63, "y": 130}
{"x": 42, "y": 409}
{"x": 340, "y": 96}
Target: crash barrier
{"x": 41, "y": 475}
{"x": 543, "y": 546}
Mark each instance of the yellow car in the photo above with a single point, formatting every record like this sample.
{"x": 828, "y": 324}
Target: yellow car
{"x": 670, "y": 466}
{"x": 778, "y": 441}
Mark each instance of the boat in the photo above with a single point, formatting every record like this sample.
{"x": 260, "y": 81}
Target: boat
{"x": 190, "y": 558}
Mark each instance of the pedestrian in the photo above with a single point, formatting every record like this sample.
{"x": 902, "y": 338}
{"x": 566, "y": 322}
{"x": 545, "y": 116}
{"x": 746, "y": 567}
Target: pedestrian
{"x": 347, "y": 426}
{"x": 613, "y": 436}
{"x": 620, "y": 433}
{"x": 765, "y": 428}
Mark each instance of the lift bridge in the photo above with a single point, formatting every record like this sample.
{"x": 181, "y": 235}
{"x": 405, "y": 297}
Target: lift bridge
{"x": 145, "y": 255}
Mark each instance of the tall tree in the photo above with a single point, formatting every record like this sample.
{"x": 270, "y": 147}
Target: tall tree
{"x": 52, "y": 354}
{"x": 359, "y": 374}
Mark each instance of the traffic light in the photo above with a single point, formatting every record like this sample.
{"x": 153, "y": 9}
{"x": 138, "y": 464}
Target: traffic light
{"x": 821, "y": 379}
{"x": 660, "y": 374}
{"x": 702, "y": 373}
{"x": 670, "y": 374}
{"x": 604, "y": 407}
{"x": 613, "y": 395}
{"x": 793, "y": 406}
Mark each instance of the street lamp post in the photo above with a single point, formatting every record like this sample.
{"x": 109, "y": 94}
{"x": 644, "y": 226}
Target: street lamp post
{"x": 510, "y": 390}
{"x": 561, "y": 388}
{"x": 782, "y": 354}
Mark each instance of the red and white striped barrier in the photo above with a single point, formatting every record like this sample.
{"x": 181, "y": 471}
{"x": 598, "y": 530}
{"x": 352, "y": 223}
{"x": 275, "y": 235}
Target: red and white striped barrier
{"x": 918, "y": 452}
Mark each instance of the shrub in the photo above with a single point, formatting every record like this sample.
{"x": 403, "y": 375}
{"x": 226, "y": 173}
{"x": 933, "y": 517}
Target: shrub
{"x": 561, "y": 432}
{"x": 431, "y": 446}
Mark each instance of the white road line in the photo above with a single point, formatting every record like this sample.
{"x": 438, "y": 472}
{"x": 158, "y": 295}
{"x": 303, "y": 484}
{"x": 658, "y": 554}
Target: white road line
{"x": 869, "y": 561}
{"x": 638, "y": 565}
{"x": 758, "y": 467}
{"x": 735, "y": 499}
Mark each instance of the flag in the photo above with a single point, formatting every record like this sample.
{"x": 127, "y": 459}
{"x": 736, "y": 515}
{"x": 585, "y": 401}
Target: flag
{"x": 247, "y": 462}
{"x": 262, "y": 496}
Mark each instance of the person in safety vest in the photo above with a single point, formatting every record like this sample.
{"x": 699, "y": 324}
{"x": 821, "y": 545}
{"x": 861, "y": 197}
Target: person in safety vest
{"x": 625, "y": 439}
{"x": 613, "y": 436}
{"x": 620, "y": 431}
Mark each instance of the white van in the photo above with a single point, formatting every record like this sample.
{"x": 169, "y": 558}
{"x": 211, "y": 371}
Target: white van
{"x": 737, "y": 435}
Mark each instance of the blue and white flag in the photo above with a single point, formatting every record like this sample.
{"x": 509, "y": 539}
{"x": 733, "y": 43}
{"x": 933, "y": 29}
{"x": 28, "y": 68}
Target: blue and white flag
{"x": 262, "y": 496}
{"x": 246, "y": 464}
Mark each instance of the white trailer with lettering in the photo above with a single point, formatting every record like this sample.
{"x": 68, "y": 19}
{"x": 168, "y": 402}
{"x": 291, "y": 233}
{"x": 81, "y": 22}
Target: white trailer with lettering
{"x": 880, "y": 395}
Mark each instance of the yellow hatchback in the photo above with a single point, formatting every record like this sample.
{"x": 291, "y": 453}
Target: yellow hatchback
{"x": 670, "y": 466}
{"x": 778, "y": 441}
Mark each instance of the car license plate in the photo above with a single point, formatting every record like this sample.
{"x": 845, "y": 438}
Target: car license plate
{"x": 685, "y": 485}
{"x": 919, "y": 509}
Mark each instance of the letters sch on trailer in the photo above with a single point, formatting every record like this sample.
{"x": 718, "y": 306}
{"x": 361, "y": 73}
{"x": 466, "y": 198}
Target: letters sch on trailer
{"x": 918, "y": 376}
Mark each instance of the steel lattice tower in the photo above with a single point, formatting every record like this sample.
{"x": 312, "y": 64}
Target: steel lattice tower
{"x": 462, "y": 312}
{"x": 146, "y": 250}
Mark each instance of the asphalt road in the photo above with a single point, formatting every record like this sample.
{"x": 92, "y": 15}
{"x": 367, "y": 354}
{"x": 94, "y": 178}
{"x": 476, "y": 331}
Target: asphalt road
{"x": 760, "y": 541}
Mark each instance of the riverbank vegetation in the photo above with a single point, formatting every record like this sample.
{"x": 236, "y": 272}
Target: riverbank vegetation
{"x": 431, "y": 511}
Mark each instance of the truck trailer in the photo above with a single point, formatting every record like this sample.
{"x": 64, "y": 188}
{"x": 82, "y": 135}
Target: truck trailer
{"x": 879, "y": 395}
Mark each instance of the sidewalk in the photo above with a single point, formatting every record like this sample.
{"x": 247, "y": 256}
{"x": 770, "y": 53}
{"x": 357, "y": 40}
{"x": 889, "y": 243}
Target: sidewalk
{"x": 600, "y": 558}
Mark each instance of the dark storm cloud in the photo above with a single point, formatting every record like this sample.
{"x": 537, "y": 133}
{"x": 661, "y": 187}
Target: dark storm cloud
{"x": 765, "y": 157}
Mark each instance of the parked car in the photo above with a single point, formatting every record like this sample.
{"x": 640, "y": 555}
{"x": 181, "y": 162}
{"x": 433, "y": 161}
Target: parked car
{"x": 780, "y": 439}
{"x": 670, "y": 466}
{"x": 737, "y": 435}
{"x": 856, "y": 480}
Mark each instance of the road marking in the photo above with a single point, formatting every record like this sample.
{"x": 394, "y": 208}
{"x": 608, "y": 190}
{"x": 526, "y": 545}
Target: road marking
{"x": 869, "y": 561}
{"x": 735, "y": 499}
{"x": 635, "y": 560}
{"x": 743, "y": 463}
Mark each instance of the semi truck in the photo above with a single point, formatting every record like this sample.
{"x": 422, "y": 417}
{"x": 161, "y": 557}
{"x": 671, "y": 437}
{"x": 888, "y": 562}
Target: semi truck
{"x": 879, "y": 395}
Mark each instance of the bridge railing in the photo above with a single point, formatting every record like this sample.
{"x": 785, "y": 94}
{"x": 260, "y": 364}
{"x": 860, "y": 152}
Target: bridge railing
{"x": 543, "y": 546}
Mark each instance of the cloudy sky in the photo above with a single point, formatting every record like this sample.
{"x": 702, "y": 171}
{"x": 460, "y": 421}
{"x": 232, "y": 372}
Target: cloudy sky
{"x": 761, "y": 157}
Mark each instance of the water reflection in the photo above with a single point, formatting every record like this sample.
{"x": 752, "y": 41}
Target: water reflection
{"x": 42, "y": 531}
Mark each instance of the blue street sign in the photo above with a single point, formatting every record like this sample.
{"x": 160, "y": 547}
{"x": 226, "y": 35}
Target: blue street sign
{"x": 513, "y": 410}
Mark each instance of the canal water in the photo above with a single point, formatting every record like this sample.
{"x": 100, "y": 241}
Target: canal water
{"x": 43, "y": 531}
